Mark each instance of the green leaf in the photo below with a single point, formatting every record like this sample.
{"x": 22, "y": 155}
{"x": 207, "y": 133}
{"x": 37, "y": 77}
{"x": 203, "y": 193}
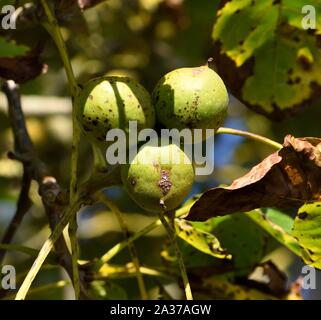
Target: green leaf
{"x": 275, "y": 229}
{"x": 193, "y": 258}
{"x": 199, "y": 239}
{"x": 276, "y": 63}
{"x": 10, "y": 49}
{"x": 240, "y": 43}
{"x": 279, "y": 218}
{"x": 307, "y": 229}
{"x": 243, "y": 239}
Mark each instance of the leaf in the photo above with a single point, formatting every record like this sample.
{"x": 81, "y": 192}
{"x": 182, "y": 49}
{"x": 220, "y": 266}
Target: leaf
{"x": 307, "y": 230}
{"x": 242, "y": 238}
{"x": 193, "y": 258}
{"x": 286, "y": 178}
{"x": 280, "y": 219}
{"x": 22, "y": 68}
{"x": 10, "y": 49}
{"x": 266, "y": 282}
{"x": 225, "y": 290}
{"x": 265, "y": 56}
{"x": 275, "y": 230}
{"x": 246, "y": 242}
{"x": 199, "y": 239}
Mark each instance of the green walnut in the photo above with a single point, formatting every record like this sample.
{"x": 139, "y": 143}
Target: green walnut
{"x": 110, "y": 102}
{"x": 194, "y": 98}
{"x": 159, "y": 177}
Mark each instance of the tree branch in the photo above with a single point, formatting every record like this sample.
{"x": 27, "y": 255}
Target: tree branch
{"x": 53, "y": 197}
{"x": 23, "y": 205}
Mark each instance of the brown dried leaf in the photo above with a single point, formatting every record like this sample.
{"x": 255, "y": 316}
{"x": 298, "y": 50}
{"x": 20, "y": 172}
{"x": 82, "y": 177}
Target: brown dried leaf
{"x": 22, "y": 68}
{"x": 286, "y": 178}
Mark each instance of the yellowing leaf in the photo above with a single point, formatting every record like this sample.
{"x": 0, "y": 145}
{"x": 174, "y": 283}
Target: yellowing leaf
{"x": 275, "y": 230}
{"x": 266, "y": 57}
{"x": 199, "y": 239}
{"x": 307, "y": 229}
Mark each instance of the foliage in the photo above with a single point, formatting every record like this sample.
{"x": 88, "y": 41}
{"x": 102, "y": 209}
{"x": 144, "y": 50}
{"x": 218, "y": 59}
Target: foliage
{"x": 277, "y": 60}
{"x": 225, "y": 234}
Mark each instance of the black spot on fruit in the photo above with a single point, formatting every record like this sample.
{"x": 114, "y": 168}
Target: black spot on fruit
{"x": 164, "y": 183}
{"x": 110, "y": 101}
{"x": 154, "y": 184}
{"x": 297, "y": 80}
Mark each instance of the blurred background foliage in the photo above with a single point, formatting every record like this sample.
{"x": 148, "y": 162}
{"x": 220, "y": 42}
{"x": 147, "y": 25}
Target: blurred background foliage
{"x": 143, "y": 39}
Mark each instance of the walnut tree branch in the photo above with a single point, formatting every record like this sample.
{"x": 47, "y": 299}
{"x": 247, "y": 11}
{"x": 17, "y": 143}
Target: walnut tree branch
{"x": 54, "y": 199}
{"x": 23, "y": 205}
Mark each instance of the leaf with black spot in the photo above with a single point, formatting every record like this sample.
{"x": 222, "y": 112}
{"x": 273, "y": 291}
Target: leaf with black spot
{"x": 287, "y": 178}
{"x": 266, "y": 58}
{"x": 199, "y": 239}
{"x": 243, "y": 238}
{"x": 307, "y": 230}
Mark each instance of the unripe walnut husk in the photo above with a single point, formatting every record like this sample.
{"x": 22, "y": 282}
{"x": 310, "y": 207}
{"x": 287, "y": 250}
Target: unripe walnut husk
{"x": 194, "y": 98}
{"x": 110, "y": 102}
{"x": 158, "y": 182}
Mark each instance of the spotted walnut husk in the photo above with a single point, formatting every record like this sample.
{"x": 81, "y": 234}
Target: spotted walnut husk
{"x": 110, "y": 102}
{"x": 194, "y": 98}
{"x": 159, "y": 178}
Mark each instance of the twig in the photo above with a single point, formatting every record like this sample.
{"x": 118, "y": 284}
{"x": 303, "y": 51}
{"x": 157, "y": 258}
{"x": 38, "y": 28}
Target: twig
{"x": 52, "y": 27}
{"x": 84, "y": 192}
{"x": 130, "y": 271}
{"x": 44, "y": 288}
{"x": 53, "y": 198}
{"x": 22, "y": 145}
{"x": 23, "y": 205}
{"x": 132, "y": 250}
{"x": 250, "y": 135}
{"x": 111, "y": 253}
{"x": 46, "y": 248}
{"x": 172, "y": 237}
